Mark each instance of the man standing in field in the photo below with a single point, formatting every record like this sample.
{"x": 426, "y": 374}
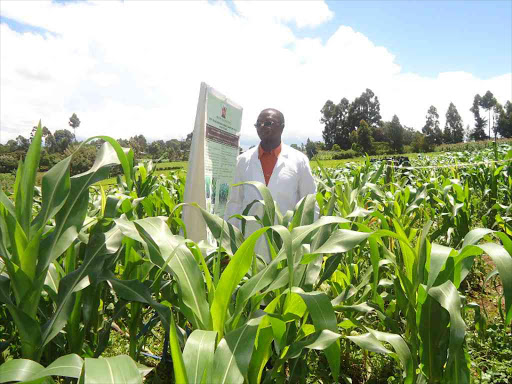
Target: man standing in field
{"x": 284, "y": 170}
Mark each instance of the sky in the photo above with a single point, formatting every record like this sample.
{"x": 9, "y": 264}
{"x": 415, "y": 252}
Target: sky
{"x": 134, "y": 67}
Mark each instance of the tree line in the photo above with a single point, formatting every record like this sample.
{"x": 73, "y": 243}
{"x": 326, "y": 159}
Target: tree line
{"x": 357, "y": 126}
{"x": 62, "y": 142}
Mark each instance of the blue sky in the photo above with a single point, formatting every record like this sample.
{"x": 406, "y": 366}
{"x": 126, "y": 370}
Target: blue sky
{"x": 434, "y": 36}
{"x": 125, "y": 65}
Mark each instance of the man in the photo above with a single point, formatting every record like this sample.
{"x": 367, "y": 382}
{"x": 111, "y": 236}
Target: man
{"x": 284, "y": 170}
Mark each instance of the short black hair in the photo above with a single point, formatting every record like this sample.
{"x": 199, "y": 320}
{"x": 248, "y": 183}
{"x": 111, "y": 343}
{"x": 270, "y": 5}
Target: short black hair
{"x": 276, "y": 111}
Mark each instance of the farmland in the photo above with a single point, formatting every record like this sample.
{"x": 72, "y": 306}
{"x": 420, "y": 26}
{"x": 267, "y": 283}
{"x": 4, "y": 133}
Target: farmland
{"x": 405, "y": 276}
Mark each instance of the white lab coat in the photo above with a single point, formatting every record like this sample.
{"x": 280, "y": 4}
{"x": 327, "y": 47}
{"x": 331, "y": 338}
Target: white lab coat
{"x": 291, "y": 180}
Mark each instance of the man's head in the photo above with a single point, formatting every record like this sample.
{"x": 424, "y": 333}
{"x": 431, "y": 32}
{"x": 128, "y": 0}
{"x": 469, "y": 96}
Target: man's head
{"x": 270, "y": 125}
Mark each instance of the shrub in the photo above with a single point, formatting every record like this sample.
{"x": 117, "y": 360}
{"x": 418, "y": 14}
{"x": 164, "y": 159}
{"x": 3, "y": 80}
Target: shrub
{"x": 336, "y": 148}
{"x": 83, "y": 159}
{"x": 382, "y": 148}
{"x": 8, "y": 163}
{"x": 348, "y": 154}
{"x": 48, "y": 160}
{"x": 6, "y": 182}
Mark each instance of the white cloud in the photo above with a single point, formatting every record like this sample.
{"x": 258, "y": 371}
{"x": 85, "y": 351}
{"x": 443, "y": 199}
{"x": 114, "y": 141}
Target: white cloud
{"x": 127, "y": 68}
{"x": 302, "y": 13}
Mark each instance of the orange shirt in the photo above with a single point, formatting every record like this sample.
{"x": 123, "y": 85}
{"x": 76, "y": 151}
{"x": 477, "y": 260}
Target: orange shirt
{"x": 268, "y": 161}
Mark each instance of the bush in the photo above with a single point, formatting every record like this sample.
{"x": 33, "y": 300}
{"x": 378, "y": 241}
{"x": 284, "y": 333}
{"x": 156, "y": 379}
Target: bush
{"x": 382, "y": 148}
{"x": 348, "y": 154}
{"x": 8, "y": 163}
{"x": 6, "y": 182}
{"x": 336, "y": 148}
{"x": 48, "y": 160}
{"x": 83, "y": 159}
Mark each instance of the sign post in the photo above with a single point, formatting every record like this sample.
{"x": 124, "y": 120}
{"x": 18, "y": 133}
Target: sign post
{"x": 212, "y": 161}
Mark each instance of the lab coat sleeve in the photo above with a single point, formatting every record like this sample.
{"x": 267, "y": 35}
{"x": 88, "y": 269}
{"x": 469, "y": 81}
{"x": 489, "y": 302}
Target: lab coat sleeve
{"x": 236, "y": 195}
{"x": 306, "y": 182}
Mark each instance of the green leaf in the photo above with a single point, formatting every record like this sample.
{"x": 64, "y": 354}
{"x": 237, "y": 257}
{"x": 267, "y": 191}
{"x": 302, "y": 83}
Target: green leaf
{"x": 323, "y": 316}
{"x": 18, "y": 370}
{"x": 402, "y": 350}
{"x": 7, "y": 203}
{"x": 433, "y": 332}
{"x": 66, "y": 366}
{"x": 270, "y": 208}
{"x": 260, "y": 355}
{"x": 233, "y": 354}
{"x": 99, "y": 245}
{"x": 475, "y": 236}
{"x": 342, "y": 240}
{"x": 503, "y": 261}
{"x": 198, "y": 354}
{"x": 134, "y": 290}
{"x": 369, "y": 342}
{"x": 236, "y": 269}
{"x": 73, "y": 212}
{"x": 447, "y": 295}
{"x": 180, "y": 373}
{"x": 29, "y": 179}
{"x": 124, "y": 155}
{"x": 320, "y": 340}
{"x": 55, "y": 188}
{"x": 438, "y": 256}
{"x": 229, "y": 235}
{"x": 170, "y": 253}
{"x": 112, "y": 370}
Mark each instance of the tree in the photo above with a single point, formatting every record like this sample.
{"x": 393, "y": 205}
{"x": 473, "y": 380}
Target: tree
{"x": 396, "y": 135}
{"x": 431, "y": 130}
{"x": 11, "y": 145}
{"x": 478, "y": 132}
{"x": 335, "y": 120}
{"x": 139, "y": 145}
{"x": 63, "y": 139}
{"x": 364, "y": 138}
{"x": 365, "y": 107}
{"x": 22, "y": 143}
{"x": 488, "y": 102}
{"x": 74, "y": 122}
{"x": 504, "y": 120}
{"x": 310, "y": 149}
{"x": 453, "y": 129}
{"x": 409, "y": 135}
{"x": 156, "y": 149}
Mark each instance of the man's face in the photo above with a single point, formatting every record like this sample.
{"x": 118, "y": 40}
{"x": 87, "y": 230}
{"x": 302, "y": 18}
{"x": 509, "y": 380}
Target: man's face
{"x": 269, "y": 126}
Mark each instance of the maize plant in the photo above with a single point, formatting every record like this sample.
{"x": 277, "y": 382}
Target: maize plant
{"x": 373, "y": 264}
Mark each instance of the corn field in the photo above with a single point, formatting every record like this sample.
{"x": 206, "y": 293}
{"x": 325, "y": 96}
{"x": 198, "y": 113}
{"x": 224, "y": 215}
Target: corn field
{"x": 374, "y": 276}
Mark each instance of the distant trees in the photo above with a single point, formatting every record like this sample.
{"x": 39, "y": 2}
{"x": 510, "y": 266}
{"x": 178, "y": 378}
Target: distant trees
{"x": 504, "y": 121}
{"x": 453, "y": 128}
{"x": 58, "y": 145}
{"x": 396, "y": 135}
{"x": 478, "y": 132}
{"x": 342, "y": 124}
{"x": 362, "y": 140}
{"x": 488, "y": 102}
{"x": 335, "y": 120}
{"x": 431, "y": 129}
{"x": 311, "y": 149}
{"x": 63, "y": 139}
{"x": 74, "y": 122}
{"x": 341, "y": 119}
{"x": 365, "y": 107}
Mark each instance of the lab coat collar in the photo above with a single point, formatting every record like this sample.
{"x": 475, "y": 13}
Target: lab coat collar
{"x": 255, "y": 163}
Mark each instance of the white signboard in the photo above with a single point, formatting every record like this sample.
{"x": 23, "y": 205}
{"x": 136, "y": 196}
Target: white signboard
{"x": 212, "y": 161}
